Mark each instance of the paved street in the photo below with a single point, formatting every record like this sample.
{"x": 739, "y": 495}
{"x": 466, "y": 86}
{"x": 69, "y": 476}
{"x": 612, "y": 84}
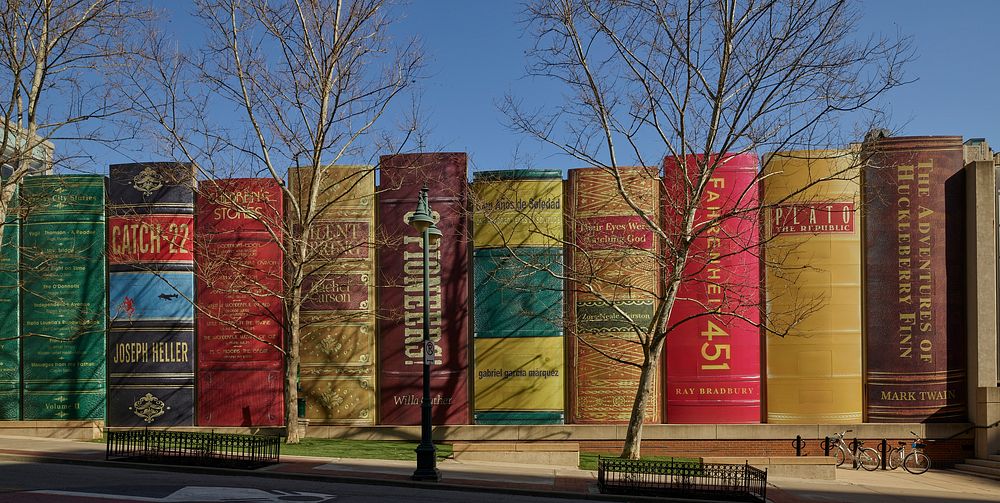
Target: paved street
{"x": 89, "y": 478}
{"x": 52, "y": 482}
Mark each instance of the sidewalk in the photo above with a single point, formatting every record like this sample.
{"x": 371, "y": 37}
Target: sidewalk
{"x": 935, "y": 486}
{"x": 898, "y": 486}
{"x": 508, "y": 477}
{"x": 523, "y": 477}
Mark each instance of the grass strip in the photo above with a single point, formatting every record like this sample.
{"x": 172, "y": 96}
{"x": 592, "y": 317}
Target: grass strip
{"x": 359, "y": 449}
{"x": 404, "y": 451}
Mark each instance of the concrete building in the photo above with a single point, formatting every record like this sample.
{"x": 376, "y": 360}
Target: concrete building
{"x": 982, "y": 294}
{"x": 15, "y": 148}
{"x": 976, "y": 149}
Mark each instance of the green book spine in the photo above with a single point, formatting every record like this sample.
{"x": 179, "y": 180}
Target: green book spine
{"x": 10, "y": 344}
{"x": 63, "y": 305}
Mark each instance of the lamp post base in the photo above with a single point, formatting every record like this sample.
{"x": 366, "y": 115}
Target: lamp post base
{"x": 426, "y": 464}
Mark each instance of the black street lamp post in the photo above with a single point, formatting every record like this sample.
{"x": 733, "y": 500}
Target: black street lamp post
{"x": 423, "y": 221}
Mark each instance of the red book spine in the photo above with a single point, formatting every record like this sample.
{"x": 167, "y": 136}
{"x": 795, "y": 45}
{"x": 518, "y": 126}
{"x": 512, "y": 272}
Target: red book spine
{"x": 400, "y": 289}
{"x": 239, "y": 280}
{"x": 914, "y": 297}
{"x": 713, "y": 354}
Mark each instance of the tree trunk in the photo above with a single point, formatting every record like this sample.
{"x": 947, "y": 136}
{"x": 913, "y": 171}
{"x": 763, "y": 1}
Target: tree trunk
{"x": 292, "y": 371}
{"x": 647, "y": 384}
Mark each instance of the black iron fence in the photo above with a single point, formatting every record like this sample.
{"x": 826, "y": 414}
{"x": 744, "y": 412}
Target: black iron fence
{"x": 193, "y": 448}
{"x": 681, "y": 479}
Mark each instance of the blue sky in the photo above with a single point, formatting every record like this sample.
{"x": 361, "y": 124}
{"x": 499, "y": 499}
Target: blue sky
{"x": 475, "y": 53}
{"x": 475, "y": 50}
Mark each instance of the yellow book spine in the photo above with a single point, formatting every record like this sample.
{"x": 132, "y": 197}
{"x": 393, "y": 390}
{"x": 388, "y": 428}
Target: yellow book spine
{"x": 514, "y": 213}
{"x": 523, "y": 374}
{"x": 337, "y": 325}
{"x": 813, "y": 287}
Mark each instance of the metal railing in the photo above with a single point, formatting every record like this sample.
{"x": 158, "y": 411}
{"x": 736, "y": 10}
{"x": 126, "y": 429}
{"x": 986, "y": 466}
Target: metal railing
{"x": 192, "y": 448}
{"x": 682, "y": 479}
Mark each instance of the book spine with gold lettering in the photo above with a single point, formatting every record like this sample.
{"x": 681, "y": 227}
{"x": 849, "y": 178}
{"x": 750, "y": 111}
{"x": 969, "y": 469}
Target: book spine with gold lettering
{"x": 613, "y": 257}
{"x": 240, "y": 315}
{"x": 10, "y": 309}
{"x": 63, "y": 297}
{"x": 518, "y": 334}
{"x": 151, "y": 347}
{"x": 337, "y": 319}
{"x": 914, "y": 231}
{"x": 713, "y": 353}
{"x": 400, "y": 284}
{"x": 812, "y": 239}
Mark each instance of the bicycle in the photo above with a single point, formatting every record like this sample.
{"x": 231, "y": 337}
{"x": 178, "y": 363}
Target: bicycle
{"x": 866, "y": 457}
{"x": 915, "y": 462}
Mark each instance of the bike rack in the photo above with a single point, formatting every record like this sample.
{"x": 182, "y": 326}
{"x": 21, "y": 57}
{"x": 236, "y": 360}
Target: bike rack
{"x": 798, "y": 444}
{"x": 854, "y": 446}
{"x": 885, "y": 453}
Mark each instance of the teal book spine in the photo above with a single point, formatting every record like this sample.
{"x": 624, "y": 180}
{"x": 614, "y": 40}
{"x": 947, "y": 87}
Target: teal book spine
{"x": 64, "y": 292}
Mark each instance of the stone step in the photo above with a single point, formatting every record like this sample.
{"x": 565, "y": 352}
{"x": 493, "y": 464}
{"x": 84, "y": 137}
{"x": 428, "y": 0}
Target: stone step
{"x": 993, "y": 457}
{"x": 981, "y": 471}
{"x": 540, "y": 453}
{"x": 989, "y": 463}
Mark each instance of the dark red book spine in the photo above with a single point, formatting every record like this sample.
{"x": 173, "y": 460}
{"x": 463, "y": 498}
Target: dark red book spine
{"x": 914, "y": 297}
{"x": 713, "y": 354}
{"x": 400, "y": 289}
{"x": 239, "y": 281}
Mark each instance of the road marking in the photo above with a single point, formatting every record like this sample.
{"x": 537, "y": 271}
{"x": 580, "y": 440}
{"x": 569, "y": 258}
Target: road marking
{"x": 209, "y": 494}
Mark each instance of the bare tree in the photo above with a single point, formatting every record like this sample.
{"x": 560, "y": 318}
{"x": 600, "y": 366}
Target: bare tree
{"x": 298, "y": 83}
{"x": 54, "y": 56}
{"x": 53, "y": 60}
{"x": 648, "y": 79}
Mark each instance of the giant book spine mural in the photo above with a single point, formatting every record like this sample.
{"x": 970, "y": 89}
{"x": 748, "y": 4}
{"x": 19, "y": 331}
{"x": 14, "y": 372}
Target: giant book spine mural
{"x": 10, "y": 308}
{"x": 612, "y": 255}
{"x": 518, "y": 337}
{"x": 813, "y": 287}
{"x": 150, "y": 249}
{"x": 62, "y": 320}
{"x": 914, "y": 231}
{"x": 400, "y": 284}
{"x": 337, "y": 321}
{"x": 713, "y": 353}
{"x": 239, "y": 264}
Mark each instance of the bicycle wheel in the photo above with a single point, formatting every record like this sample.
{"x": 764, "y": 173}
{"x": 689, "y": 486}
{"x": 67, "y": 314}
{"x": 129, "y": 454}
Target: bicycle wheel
{"x": 839, "y": 455}
{"x": 916, "y": 463}
{"x": 869, "y": 459}
{"x": 895, "y": 458}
